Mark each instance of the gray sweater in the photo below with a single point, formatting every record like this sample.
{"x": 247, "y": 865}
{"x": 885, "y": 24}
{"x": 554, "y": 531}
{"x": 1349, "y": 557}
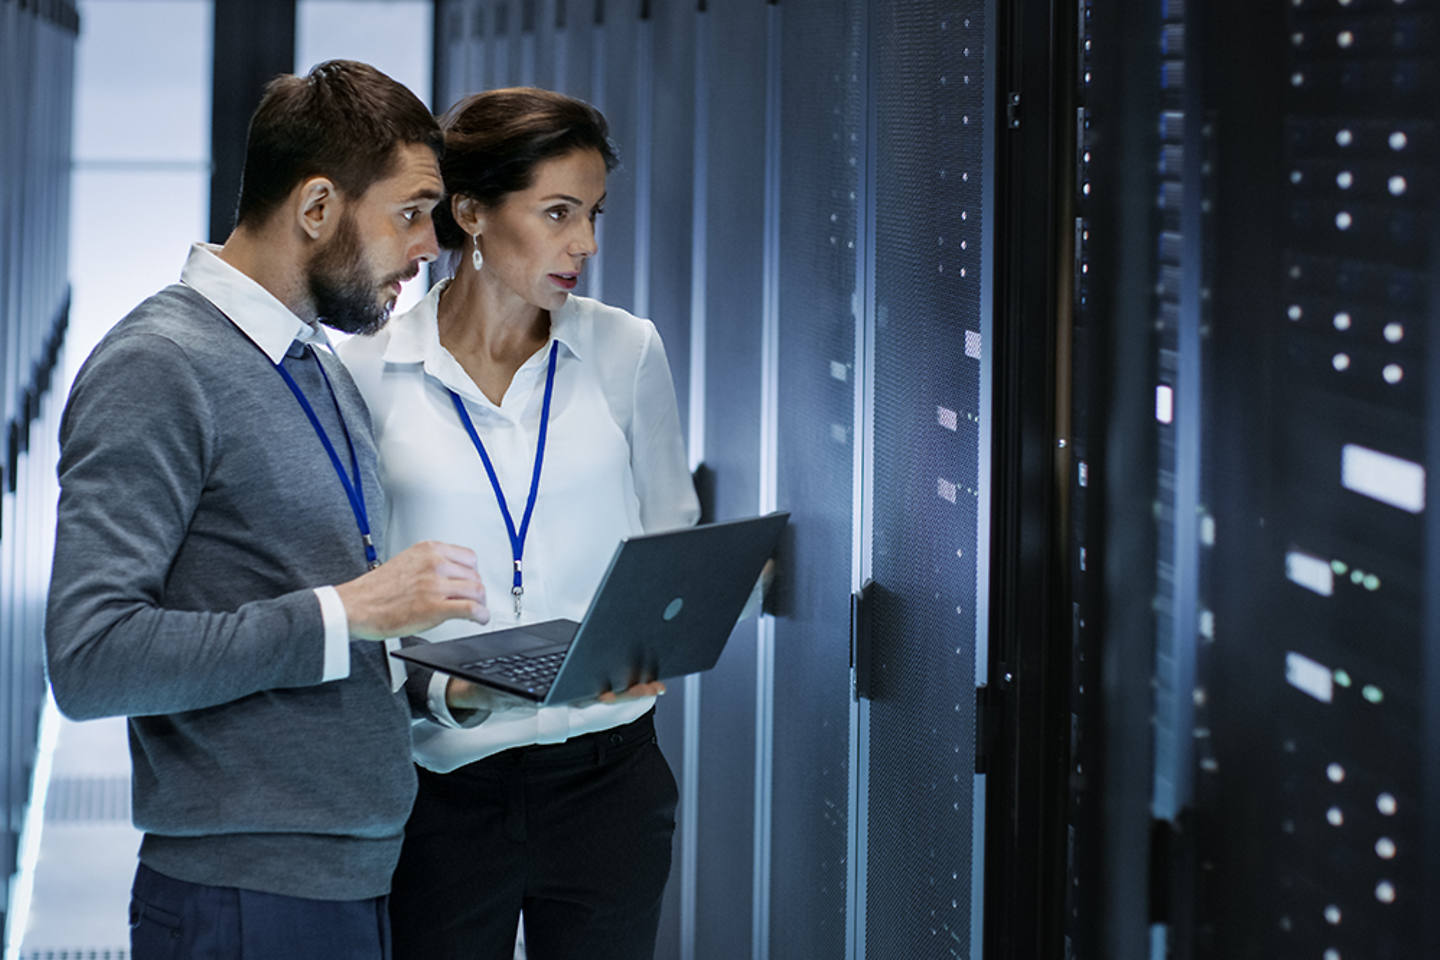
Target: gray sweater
{"x": 198, "y": 510}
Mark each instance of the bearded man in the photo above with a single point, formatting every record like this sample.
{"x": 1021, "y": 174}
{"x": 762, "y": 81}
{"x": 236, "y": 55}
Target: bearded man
{"x": 217, "y": 576}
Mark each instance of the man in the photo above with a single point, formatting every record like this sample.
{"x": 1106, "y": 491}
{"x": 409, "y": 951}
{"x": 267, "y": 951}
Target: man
{"x": 220, "y": 508}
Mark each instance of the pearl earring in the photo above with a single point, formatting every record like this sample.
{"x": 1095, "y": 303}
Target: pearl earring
{"x": 475, "y": 256}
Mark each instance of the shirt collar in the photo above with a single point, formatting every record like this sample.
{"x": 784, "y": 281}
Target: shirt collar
{"x": 415, "y": 334}
{"x": 252, "y": 308}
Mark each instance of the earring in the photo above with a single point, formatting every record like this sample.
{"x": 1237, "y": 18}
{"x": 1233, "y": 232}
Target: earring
{"x": 475, "y": 256}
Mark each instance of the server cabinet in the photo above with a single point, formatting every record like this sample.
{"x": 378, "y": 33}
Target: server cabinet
{"x": 1318, "y": 793}
{"x": 802, "y": 210}
{"x": 1277, "y": 160}
{"x": 37, "y": 69}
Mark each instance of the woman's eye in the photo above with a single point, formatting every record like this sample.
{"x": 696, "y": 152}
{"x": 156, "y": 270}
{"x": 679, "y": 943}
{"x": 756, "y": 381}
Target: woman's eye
{"x": 410, "y": 215}
{"x": 559, "y": 213}
{"x": 595, "y": 214}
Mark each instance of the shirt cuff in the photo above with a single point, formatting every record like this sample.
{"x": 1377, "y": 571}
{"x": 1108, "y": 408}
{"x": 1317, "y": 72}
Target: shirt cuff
{"x": 440, "y": 710}
{"x": 337, "y": 634}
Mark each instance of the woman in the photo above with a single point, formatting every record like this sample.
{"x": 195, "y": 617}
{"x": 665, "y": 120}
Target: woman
{"x": 531, "y": 425}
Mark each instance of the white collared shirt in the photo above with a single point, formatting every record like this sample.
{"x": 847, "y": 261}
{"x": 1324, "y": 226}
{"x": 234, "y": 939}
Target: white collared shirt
{"x": 273, "y": 327}
{"x": 614, "y": 466}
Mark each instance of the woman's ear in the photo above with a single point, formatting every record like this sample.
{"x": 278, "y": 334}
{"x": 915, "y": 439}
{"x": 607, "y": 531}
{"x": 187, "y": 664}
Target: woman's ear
{"x": 468, "y": 213}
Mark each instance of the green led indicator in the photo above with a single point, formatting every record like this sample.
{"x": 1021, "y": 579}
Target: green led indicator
{"x": 1342, "y": 678}
{"x": 1372, "y": 693}
{"x": 1372, "y": 582}
{"x": 1339, "y": 567}
{"x": 1356, "y": 576}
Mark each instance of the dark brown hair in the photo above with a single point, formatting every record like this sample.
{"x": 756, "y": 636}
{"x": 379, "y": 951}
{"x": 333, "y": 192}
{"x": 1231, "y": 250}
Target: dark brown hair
{"x": 494, "y": 140}
{"x": 343, "y": 121}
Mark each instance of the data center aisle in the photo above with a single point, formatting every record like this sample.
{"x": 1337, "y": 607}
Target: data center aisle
{"x": 81, "y": 896}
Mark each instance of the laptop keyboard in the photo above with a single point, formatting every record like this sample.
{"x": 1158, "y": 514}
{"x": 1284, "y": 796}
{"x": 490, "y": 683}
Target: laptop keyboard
{"x": 521, "y": 669}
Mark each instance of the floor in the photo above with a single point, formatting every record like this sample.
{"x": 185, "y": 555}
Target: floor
{"x": 80, "y": 900}
{"x": 81, "y": 894}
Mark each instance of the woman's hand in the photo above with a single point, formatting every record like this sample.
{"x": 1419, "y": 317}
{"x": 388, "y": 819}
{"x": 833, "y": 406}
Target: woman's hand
{"x": 653, "y": 689}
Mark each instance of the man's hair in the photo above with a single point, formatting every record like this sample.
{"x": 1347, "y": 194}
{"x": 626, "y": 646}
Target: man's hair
{"x": 494, "y": 140}
{"x": 343, "y": 122}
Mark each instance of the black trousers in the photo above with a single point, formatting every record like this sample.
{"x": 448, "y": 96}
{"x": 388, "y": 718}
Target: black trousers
{"x": 577, "y": 835}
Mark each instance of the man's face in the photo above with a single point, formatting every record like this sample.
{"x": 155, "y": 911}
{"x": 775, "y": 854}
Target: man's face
{"x": 380, "y": 241}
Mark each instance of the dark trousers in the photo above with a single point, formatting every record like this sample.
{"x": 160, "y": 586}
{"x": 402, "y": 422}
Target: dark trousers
{"x": 172, "y": 919}
{"x": 577, "y": 835}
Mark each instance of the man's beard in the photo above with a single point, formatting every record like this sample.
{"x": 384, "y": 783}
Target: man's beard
{"x": 345, "y": 295}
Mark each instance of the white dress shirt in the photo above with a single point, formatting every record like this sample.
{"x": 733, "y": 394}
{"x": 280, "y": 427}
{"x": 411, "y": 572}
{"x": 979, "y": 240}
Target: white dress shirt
{"x": 271, "y": 325}
{"x": 614, "y": 466}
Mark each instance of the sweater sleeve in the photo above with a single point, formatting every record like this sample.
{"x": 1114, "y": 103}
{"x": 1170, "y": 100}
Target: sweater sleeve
{"x": 137, "y": 440}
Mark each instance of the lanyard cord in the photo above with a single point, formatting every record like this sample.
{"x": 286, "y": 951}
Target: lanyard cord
{"x": 517, "y": 538}
{"x": 354, "y": 490}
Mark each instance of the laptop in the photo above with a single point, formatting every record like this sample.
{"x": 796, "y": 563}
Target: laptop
{"x": 665, "y": 608}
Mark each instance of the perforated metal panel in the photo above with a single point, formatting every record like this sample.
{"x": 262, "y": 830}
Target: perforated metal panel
{"x": 821, "y": 287}
{"x": 931, "y": 110}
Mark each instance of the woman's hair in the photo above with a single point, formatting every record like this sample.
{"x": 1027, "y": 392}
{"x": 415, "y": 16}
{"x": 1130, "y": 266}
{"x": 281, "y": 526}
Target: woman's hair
{"x": 494, "y": 141}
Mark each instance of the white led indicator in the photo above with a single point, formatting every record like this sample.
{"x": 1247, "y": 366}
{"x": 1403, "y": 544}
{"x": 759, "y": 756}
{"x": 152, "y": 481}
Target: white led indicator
{"x": 1165, "y": 404}
{"x": 1335, "y": 773}
{"x": 1312, "y": 573}
{"x": 1400, "y": 483}
{"x": 1313, "y": 678}
{"x": 1386, "y": 804}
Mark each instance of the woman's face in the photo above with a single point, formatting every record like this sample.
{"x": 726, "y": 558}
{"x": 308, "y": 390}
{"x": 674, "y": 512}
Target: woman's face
{"x": 536, "y": 241}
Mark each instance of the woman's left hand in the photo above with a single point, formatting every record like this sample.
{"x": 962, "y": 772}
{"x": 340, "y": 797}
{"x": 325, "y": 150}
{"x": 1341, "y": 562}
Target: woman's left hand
{"x": 654, "y": 689}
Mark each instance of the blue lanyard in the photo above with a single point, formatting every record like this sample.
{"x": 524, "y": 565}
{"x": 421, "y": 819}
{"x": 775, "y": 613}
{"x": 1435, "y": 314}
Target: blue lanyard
{"x": 517, "y": 539}
{"x": 354, "y": 490}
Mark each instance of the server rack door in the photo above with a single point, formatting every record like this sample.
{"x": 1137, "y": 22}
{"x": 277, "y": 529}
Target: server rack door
{"x": 928, "y": 181}
{"x": 725, "y": 851}
{"x": 819, "y": 373}
{"x": 621, "y": 52}
{"x": 1318, "y": 796}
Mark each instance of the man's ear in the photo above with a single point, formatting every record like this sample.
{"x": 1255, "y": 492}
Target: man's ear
{"x": 468, "y": 213}
{"x": 317, "y": 207}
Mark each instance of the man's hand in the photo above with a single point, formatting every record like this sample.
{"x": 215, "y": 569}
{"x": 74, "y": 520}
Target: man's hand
{"x": 413, "y": 591}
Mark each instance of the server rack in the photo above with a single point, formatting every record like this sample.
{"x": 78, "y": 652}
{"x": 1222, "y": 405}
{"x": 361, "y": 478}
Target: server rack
{"x": 37, "y": 64}
{"x": 803, "y": 209}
